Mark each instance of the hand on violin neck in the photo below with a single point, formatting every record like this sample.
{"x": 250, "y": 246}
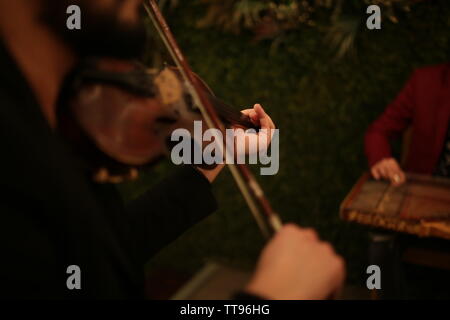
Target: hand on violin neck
{"x": 260, "y": 118}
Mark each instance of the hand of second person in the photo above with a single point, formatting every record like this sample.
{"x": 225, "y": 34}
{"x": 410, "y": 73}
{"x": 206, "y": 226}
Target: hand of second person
{"x": 388, "y": 169}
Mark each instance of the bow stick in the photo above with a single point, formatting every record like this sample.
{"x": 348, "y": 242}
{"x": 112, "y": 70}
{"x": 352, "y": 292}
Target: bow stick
{"x": 267, "y": 220}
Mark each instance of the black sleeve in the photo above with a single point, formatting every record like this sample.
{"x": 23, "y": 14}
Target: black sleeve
{"x": 29, "y": 267}
{"x": 163, "y": 213}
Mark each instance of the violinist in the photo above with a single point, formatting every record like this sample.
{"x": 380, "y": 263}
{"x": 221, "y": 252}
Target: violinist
{"x": 54, "y": 215}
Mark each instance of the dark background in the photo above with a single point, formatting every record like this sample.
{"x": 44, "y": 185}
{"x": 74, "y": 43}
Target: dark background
{"x": 322, "y": 106}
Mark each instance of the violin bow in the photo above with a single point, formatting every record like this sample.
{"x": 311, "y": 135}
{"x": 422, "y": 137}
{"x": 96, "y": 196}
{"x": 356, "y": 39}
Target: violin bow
{"x": 268, "y": 220}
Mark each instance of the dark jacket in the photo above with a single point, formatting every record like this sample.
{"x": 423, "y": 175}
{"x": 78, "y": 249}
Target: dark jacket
{"x": 53, "y": 215}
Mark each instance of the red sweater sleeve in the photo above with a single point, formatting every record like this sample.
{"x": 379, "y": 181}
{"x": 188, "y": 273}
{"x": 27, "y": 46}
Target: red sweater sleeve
{"x": 390, "y": 124}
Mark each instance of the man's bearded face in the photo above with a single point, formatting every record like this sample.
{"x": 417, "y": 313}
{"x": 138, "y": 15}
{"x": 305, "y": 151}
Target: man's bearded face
{"x": 112, "y": 28}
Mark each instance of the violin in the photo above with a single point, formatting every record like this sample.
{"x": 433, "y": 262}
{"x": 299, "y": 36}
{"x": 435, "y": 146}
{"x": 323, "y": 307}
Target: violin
{"x": 121, "y": 114}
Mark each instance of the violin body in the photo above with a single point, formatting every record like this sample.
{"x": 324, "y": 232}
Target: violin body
{"x": 121, "y": 115}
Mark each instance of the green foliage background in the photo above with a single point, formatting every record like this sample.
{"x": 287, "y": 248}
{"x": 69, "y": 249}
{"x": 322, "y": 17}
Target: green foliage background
{"x": 322, "y": 107}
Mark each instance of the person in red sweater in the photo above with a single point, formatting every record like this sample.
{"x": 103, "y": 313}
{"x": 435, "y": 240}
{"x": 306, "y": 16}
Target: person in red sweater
{"x": 424, "y": 105}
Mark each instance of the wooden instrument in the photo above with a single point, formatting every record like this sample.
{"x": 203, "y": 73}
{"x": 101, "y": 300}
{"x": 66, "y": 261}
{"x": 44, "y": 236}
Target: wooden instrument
{"x": 421, "y": 206}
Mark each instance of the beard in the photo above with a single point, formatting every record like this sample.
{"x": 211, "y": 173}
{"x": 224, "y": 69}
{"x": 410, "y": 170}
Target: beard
{"x": 102, "y": 34}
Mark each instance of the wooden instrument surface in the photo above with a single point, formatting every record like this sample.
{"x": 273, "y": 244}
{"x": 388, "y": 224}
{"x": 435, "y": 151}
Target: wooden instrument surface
{"x": 421, "y": 206}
